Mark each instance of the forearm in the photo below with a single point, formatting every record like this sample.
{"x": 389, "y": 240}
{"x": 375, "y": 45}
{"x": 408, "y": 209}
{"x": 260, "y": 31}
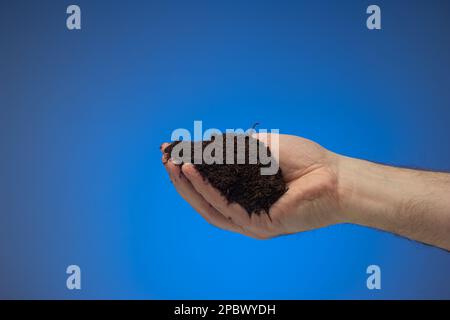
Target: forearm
{"x": 412, "y": 203}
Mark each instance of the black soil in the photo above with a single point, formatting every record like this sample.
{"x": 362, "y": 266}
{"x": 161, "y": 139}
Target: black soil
{"x": 240, "y": 183}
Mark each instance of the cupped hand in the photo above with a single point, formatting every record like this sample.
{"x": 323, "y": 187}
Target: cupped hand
{"x": 312, "y": 200}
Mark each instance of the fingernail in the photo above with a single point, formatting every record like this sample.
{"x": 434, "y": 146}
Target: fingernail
{"x": 176, "y": 161}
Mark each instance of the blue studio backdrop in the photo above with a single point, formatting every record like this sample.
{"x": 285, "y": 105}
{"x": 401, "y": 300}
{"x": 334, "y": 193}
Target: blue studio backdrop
{"x": 83, "y": 113}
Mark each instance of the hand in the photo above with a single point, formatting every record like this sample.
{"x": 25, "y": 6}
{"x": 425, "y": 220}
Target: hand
{"x": 312, "y": 199}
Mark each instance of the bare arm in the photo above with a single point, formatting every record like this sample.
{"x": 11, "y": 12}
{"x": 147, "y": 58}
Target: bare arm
{"x": 325, "y": 188}
{"x": 411, "y": 203}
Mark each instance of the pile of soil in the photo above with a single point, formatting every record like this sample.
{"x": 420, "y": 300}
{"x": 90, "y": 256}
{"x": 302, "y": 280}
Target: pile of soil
{"x": 240, "y": 183}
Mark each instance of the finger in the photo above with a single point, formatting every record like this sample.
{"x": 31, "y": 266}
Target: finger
{"x": 187, "y": 191}
{"x": 164, "y": 158}
{"x": 163, "y": 146}
{"x": 232, "y": 211}
{"x": 261, "y": 224}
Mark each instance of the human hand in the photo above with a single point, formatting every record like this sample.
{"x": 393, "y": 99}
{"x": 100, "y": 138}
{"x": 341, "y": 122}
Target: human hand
{"x": 312, "y": 199}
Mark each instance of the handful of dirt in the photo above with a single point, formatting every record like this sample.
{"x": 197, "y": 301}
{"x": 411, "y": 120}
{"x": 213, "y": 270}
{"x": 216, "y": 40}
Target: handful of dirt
{"x": 238, "y": 182}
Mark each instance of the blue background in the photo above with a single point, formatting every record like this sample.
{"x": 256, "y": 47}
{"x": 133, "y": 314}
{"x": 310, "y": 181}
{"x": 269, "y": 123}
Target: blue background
{"x": 83, "y": 113}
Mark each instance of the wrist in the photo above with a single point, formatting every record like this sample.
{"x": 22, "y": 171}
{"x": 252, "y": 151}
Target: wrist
{"x": 370, "y": 194}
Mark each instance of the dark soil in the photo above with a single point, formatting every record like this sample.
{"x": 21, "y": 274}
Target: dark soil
{"x": 240, "y": 183}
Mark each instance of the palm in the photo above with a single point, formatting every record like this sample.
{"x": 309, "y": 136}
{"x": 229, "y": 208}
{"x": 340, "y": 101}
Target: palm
{"x": 311, "y": 199}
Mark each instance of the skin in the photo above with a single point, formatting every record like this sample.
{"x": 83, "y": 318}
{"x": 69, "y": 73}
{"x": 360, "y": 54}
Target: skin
{"x": 326, "y": 188}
